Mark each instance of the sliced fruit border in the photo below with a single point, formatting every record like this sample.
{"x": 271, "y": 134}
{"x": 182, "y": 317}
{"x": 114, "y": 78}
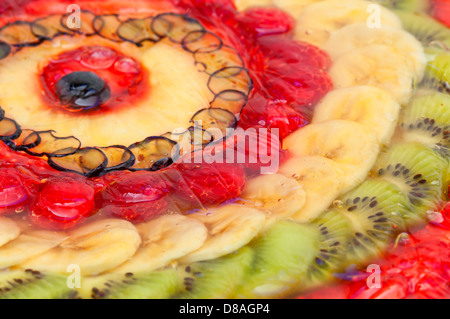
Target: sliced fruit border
{"x": 230, "y": 85}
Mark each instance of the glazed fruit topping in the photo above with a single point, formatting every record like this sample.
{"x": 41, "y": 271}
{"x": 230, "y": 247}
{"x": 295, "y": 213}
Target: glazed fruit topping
{"x": 136, "y": 197}
{"x": 82, "y": 91}
{"x": 208, "y": 184}
{"x": 92, "y": 77}
{"x": 441, "y": 11}
{"x": 13, "y": 193}
{"x": 266, "y": 21}
{"x": 63, "y": 203}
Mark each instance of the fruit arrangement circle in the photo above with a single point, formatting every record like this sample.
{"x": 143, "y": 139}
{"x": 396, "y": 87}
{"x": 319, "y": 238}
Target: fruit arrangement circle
{"x": 228, "y": 81}
{"x": 362, "y": 165}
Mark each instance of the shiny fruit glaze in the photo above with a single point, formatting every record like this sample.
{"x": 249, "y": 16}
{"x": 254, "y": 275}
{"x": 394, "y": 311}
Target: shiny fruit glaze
{"x": 418, "y": 267}
{"x": 286, "y": 87}
{"x": 123, "y": 75}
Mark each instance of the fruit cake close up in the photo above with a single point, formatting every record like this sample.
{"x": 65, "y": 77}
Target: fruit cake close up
{"x": 220, "y": 149}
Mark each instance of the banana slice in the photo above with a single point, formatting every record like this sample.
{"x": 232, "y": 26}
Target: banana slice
{"x": 164, "y": 240}
{"x": 352, "y": 145}
{"x": 242, "y": 5}
{"x": 320, "y": 19}
{"x": 359, "y": 35}
{"x": 29, "y": 245}
{"x": 294, "y": 7}
{"x": 9, "y": 230}
{"x": 278, "y": 196}
{"x": 320, "y": 178}
{"x": 230, "y": 227}
{"x": 364, "y": 104}
{"x": 377, "y": 65}
{"x": 96, "y": 247}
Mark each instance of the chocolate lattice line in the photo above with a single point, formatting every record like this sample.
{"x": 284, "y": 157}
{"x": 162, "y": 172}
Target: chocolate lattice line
{"x": 230, "y": 85}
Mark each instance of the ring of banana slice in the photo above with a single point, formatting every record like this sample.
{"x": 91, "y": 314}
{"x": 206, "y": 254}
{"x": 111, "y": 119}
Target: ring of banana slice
{"x": 374, "y": 72}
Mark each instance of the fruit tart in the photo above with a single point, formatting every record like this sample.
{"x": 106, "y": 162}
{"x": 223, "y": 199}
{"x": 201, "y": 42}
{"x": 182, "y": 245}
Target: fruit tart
{"x": 218, "y": 149}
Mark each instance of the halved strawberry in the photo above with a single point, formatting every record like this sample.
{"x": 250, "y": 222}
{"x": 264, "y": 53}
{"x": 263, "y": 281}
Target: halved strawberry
{"x": 136, "y": 197}
{"x": 206, "y": 184}
{"x": 15, "y": 190}
{"x": 293, "y": 52}
{"x": 299, "y": 84}
{"x": 63, "y": 203}
{"x": 261, "y": 112}
{"x": 261, "y": 21}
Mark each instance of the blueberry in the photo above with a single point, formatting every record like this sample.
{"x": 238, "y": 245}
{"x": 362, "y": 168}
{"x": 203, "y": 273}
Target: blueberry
{"x": 82, "y": 91}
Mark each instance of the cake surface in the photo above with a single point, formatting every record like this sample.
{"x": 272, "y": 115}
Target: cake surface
{"x": 248, "y": 149}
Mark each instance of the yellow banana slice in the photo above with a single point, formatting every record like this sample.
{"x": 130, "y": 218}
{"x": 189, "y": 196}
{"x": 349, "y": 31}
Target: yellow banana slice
{"x": 377, "y": 65}
{"x": 315, "y": 174}
{"x": 164, "y": 240}
{"x": 230, "y": 227}
{"x": 320, "y": 19}
{"x": 278, "y": 196}
{"x": 352, "y": 145}
{"x": 364, "y": 104}
{"x": 96, "y": 247}
{"x": 9, "y": 230}
{"x": 358, "y": 35}
{"x": 294, "y": 7}
{"x": 29, "y": 245}
{"x": 242, "y": 5}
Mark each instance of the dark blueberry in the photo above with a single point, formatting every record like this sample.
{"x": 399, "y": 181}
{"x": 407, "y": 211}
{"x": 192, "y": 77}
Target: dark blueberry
{"x": 82, "y": 91}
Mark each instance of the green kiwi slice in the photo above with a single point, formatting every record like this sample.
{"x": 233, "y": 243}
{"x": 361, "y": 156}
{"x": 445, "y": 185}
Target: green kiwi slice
{"x": 426, "y": 29}
{"x": 30, "y": 284}
{"x": 427, "y": 120}
{"x": 160, "y": 284}
{"x": 282, "y": 258}
{"x": 418, "y": 172}
{"x": 334, "y": 231}
{"x": 437, "y": 72}
{"x": 375, "y": 212}
{"x": 218, "y": 278}
{"x": 405, "y": 5}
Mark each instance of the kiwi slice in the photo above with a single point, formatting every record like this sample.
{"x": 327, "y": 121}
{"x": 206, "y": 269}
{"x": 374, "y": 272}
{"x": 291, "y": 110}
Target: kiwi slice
{"x": 427, "y": 120}
{"x": 437, "y": 71}
{"x": 418, "y": 172}
{"x": 282, "y": 258}
{"x": 218, "y": 278}
{"x": 426, "y": 29}
{"x": 160, "y": 284}
{"x": 375, "y": 212}
{"x": 334, "y": 231}
{"x": 30, "y": 284}
{"x": 405, "y": 5}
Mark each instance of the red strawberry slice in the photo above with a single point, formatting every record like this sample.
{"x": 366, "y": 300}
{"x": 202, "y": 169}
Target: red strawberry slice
{"x": 256, "y": 148}
{"x": 63, "y": 203}
{"x": 261, "y": 112}
{"x": 206, "y": 184}
{"x": 298, "y": 84}
{"x": 265, "y": 21}
{"x": 136, "y": 197}
{"x": 441, "y": 11}
{"x": 293, "y": 52}
{"x": 14, "y": 193}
